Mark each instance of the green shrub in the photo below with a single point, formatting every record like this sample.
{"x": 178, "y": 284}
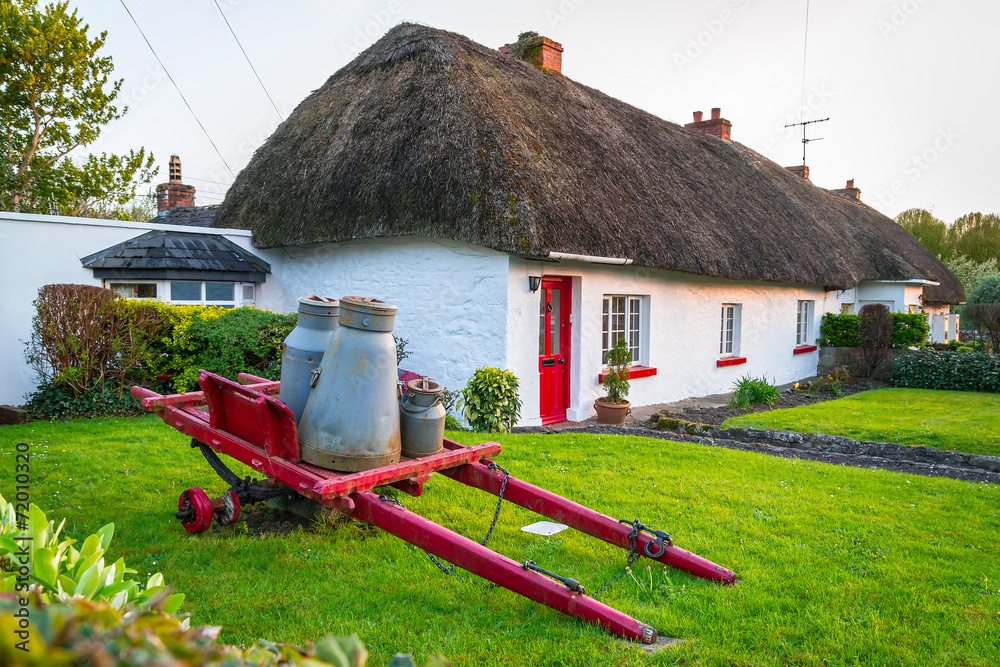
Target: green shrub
{"x": 88, "y": 346}
{"x": 910, "y": 330}
{"x": 750, "y": 390}
{"x": 986, "y": 290}
{"x": 241, "y": 340}
{"x": 490, "y": 400}
{"x": 842, "y": 330}
{"x": 50, "y": 401}
{"x": 839, "y": 330}
{"x": 942, "y": 369}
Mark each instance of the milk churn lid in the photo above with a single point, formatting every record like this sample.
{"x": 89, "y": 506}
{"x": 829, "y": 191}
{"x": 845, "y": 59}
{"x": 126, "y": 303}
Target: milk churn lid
{"x": 367, "y": 313}
{"x": 424, "y": 385}
{"x": 315, "y": 304}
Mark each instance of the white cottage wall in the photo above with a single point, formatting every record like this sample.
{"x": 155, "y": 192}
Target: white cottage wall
{"x": 38, "y": 250}
{"x": 452, "y": 297}
{"x": 682, "y": 326}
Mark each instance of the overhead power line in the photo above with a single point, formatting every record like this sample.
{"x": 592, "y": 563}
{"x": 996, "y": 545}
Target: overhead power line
{"x": 207, "y": 135}
{"x": 254, "y": 69}
{"x": 805, "y": 50}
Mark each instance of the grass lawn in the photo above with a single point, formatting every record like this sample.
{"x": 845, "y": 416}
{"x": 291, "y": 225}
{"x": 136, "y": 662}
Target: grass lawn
{"x": 838, "y": 565}
{"x": 963, "y": 421}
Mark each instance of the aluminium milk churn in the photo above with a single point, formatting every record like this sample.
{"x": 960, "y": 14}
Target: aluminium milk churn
{"x": 421, "y": 418}
{"x": 303, "y": 349}
{"x": 351, "y": 420}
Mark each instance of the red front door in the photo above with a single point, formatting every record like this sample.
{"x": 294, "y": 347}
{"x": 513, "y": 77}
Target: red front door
{"x": 553, "y": 348}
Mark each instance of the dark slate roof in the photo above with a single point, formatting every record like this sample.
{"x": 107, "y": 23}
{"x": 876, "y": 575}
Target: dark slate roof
{"x": 188, "y": 216}
{"x": 177, "y": 256}
{"x": 427, "y": 133}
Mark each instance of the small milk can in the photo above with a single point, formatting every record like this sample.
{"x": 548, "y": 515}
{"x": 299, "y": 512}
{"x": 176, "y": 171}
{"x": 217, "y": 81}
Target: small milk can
{"x": 351, "y": 420}
{"x": 303, "y": 349}
{"x": 421, "y": 418}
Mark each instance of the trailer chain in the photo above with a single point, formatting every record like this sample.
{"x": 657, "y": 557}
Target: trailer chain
{"x": 447, "y": 569}
{"x": 569, "y": 582}
{"x": 503, "y": 487}
{"x": 662, "y": 542}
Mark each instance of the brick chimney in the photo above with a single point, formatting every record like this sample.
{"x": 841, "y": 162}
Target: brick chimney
{"x": 173, "y": 193}
{"x": 542, "y": 52}
{"x": 716, "y": 125}
{"x": 849, "y": 191}
{"x": 800, "y": 170}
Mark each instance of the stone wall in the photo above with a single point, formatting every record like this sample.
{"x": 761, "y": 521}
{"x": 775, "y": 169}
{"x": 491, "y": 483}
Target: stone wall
{"x": 832, "y": 443}
{"x": 835, "y": 357}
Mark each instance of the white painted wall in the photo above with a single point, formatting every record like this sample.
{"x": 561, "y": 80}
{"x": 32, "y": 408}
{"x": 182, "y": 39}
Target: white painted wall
{"x": 37, "y": 250}
{"x": 898, "y": 295}
{"x": 685, "y": 318}
{"x": 452, "y": 297}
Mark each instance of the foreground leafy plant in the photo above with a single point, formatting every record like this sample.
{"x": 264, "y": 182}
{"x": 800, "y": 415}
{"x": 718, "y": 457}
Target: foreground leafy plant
{"x": 59, "y": 571}
{"x": 750, "y": 390}
{"x": 80, "y": 632}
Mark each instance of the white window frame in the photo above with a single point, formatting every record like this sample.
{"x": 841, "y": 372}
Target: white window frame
{"x": 804, "y": 322}
{"x": 729, "y": 332}
{"x": 635, "y": 318}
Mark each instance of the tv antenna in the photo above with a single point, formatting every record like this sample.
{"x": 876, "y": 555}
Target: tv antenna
{"x": 804, "y": 139}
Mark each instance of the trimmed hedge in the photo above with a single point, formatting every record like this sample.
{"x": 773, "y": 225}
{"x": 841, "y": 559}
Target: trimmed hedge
{"x": 944, "y": 369}
{"x": 89, "y": 346}
{"x": 842, "y": 330}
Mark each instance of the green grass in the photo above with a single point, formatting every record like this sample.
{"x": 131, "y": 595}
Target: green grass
{"x": 838, "y": 565}
{"x": 962, "y": 421}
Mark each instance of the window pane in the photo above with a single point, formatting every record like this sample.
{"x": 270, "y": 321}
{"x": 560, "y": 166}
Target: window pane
{"x": 219, "y": 292}
{"x": 554, "y": 320}
{"x": 633, "y": 329}
{"x": 248, "y": 293}
{"x": 185, "y": 290}
{"x": 123, "y": 289}
{"x": 145, "y": 290}
{"x": 541, "y": 324}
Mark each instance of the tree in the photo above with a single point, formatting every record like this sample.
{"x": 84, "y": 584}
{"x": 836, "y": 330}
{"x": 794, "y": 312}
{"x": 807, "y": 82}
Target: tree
{"x": 55, "y": 97}
{"x": 984, "y": 309}
{"x": 931, "y": 232}
{"x": 976, "y": 236}
{"x": 969, "y": 271}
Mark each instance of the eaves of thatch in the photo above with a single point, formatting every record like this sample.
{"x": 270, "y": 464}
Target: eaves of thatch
{"x": 428, "y": 133}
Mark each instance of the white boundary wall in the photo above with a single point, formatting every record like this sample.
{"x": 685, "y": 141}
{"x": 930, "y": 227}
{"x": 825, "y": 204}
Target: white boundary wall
{"x": 37, "y": 250}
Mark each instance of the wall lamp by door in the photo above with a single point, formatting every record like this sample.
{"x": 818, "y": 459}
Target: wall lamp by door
{"x": 534, "y": 282}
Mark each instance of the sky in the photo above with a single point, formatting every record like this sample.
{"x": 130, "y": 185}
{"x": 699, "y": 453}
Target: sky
{"x": 909, "y": 86}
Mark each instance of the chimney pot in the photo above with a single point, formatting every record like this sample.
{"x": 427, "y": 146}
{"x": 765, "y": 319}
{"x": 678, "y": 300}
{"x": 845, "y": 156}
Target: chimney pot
{"x": 717, "y": 126}
{"x": 173, "y": 193}
{"x": 850, "y": 184}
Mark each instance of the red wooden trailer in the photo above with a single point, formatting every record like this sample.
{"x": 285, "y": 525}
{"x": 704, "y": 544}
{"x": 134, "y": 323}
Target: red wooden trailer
{"x": 246, "y": 421}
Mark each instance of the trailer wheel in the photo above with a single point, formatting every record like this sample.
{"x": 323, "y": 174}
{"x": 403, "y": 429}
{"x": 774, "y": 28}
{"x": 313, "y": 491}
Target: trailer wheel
{"x": 195, "y": 510}
{"x": 230, "y": 513}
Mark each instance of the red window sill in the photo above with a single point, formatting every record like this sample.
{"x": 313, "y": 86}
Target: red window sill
{"x": 633, "y": 373}
{"x": 802, "y": 349}
{"x": 730, "y": 361}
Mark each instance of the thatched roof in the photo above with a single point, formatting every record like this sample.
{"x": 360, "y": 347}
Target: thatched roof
{"x": 427, "y": 133}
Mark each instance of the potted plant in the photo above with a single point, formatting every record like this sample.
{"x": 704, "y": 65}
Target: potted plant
{"x": 613, "y": 408}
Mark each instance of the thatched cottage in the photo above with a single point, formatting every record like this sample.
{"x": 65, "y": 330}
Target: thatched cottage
{"x": 523, "y": 220}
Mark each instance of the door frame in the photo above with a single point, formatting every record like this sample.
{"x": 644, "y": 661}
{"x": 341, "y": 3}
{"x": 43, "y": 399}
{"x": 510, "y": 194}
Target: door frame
{"x": 565, "y": 284}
